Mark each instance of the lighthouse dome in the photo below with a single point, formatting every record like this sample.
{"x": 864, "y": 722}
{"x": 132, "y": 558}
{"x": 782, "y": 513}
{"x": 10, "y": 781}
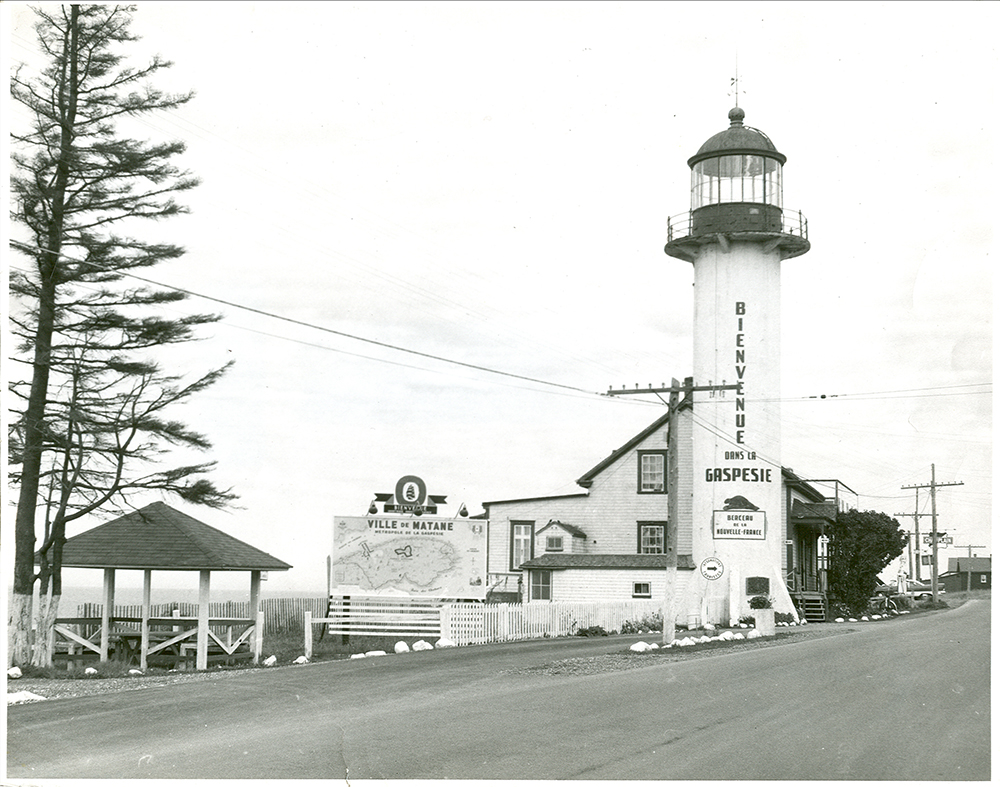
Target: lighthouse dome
{"x": 737, "y": 139}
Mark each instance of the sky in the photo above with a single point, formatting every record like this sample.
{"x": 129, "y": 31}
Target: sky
{"x": 489, "y": 183}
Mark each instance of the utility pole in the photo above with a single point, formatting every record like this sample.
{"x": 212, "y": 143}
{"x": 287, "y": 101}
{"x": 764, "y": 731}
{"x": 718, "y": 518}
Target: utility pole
{"x": 933, "y": 485}
{"x": 670, "y": 581}
{"x": 916, "y": 530}
{"x": 968, "y": 566}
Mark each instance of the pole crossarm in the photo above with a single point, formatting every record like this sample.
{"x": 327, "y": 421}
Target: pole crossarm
{"x": 670, "y": 389}
{"x": 934, "y": 485}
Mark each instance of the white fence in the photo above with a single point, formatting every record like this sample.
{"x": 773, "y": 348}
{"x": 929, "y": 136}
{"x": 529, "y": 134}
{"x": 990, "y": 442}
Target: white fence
{"x": 468, "y": 623}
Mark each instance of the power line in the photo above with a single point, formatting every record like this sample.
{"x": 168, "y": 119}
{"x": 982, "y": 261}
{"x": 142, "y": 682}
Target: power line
{"x": 398, "y": 348}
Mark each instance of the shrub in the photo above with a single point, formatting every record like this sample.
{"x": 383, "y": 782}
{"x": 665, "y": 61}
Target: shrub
{"x": 652, "y": 622}
{"x": 592, "y": 631}
{"x": 761, "y": 602}
{"x": 784, "y": 617}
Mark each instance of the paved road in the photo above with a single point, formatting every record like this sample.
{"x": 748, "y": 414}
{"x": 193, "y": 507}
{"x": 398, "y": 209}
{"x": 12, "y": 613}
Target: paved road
{"x": 901, "y": 700}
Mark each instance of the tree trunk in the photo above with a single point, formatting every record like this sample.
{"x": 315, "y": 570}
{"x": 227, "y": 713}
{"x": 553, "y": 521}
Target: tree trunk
{"x": 45, "y": 630}
{"x": 19, "y": 630}
{"x": 34, "y": 416}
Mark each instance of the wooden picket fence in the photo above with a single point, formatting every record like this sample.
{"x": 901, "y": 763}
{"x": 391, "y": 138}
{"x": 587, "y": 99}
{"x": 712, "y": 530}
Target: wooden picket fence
{"x": 471, "y": 623}
{"x": 281, "y": 615}
{"x": 467, "y": 623}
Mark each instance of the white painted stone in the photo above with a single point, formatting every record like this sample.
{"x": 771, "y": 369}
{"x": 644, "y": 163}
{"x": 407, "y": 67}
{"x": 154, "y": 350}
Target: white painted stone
{"x": 639, "y": 647}
{"x": 135, "y": 672}
{"x": 17, "y": 697}
{"x": 14, "y": 673}
{"x": 270, "y": 661}
{"x": 357, "y": 655}
{"x": 839, "y": 620}
{"x": 401, "y": 647}
{"x": 301, "y": 660}
{"x": 374, "y": 652}
{"x": 444, "y": 643}
{"x": 422, "y": 645}
{"x": 90, "y": 671}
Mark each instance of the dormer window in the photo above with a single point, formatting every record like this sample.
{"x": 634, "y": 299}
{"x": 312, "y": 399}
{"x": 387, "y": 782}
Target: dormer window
{"x": 554, "y": 544}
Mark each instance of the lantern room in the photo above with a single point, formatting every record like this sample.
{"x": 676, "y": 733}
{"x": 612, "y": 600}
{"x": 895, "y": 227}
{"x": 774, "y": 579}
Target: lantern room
{"x": 736, "y": 188}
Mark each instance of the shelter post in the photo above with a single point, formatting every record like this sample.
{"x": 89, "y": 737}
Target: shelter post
{"x": 107, "y": 612}
{"x": 258, "y": 634}
{"x": 204, "y": 587}
{"x": 147, "y": 583}
{"x": 258, "y": 642}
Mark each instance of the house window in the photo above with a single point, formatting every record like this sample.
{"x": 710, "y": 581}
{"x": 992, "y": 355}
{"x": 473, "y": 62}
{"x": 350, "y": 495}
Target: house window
{"x": 541, "y": 585}
{"x": 652, "y": 538}
{"x": 641, "y": 590}
{"x": 554, "y": 544}
{"x": 652, "y": 472}
{"x": 522, "y": 536}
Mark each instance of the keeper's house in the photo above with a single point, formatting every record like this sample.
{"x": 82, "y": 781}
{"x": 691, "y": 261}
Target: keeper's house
{"x": 607, "y": 542}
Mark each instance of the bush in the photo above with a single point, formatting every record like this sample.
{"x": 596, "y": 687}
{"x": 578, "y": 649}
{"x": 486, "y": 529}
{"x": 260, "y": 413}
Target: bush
{"x": 652, "y": 622}
{"x": 592, "y": 631}
{"x": 784, "y": 617}
{"x": 761, "y": 602}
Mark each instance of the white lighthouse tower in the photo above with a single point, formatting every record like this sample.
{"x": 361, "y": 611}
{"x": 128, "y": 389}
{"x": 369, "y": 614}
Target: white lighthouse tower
{"x": 736, "y": 234}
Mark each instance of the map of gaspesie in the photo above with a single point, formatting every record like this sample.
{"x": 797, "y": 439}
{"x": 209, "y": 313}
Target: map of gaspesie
{"x": 413, "y": 555}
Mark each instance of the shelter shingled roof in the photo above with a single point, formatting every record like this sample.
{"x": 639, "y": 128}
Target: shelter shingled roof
{"x": 160, "y": 537}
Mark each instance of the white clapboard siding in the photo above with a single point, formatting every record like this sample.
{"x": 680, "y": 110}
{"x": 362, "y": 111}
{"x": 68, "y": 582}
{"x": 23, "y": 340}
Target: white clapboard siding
{"x": 610, "y": 584}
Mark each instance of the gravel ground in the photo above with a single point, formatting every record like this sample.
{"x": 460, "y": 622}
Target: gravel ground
{"x": 61, "y": 688}
{"x": 628, "y": 660}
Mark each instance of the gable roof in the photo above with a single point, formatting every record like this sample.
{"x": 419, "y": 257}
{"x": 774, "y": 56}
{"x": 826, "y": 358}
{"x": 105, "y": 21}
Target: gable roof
{"x": 562, "y": 560}
{"x": 489, "y": 503}
{"x": 160, "y": 537}
{"x": 587, "y": 479}
{"x": 963, "y": 564}
{"x": 573, "y": 530}
{"x": 826, "y": 511}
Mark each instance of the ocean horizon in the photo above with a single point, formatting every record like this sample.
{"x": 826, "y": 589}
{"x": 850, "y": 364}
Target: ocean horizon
{"x": 74, "y": 596}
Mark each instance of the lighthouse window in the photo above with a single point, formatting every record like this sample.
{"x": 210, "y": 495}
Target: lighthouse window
{"x": 652, "y": 472}
{"x": 743, "y": 178}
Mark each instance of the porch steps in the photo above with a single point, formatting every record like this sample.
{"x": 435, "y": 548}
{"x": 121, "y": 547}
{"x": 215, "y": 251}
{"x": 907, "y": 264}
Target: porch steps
{"x": 815, "y": 609}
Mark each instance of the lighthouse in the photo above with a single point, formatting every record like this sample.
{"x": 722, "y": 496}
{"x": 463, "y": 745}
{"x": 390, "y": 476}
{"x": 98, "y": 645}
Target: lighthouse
{"x": 736, "y": 235}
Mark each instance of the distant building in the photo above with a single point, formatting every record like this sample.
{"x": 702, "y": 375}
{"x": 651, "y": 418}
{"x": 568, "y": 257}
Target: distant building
{"x": 968, "y": 573}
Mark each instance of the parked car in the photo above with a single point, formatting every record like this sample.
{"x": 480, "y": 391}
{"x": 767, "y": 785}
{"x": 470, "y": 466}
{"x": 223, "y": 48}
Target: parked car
{"x": 914, "y": 589}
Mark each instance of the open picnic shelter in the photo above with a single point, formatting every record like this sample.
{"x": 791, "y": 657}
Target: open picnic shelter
{"x": 160, "y": 538}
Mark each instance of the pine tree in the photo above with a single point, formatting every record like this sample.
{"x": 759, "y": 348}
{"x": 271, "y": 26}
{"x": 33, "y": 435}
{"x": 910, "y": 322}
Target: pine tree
{"x": 90, "y": 423}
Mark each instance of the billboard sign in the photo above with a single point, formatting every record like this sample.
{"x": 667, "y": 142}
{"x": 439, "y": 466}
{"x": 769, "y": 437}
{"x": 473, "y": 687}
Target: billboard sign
{"x": 433, "y": 557}
{"x": 740, "y": 524}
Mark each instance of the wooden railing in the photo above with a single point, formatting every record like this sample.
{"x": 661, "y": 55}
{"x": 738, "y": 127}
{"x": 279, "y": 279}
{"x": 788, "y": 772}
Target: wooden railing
{"x": 168, "y": 639}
